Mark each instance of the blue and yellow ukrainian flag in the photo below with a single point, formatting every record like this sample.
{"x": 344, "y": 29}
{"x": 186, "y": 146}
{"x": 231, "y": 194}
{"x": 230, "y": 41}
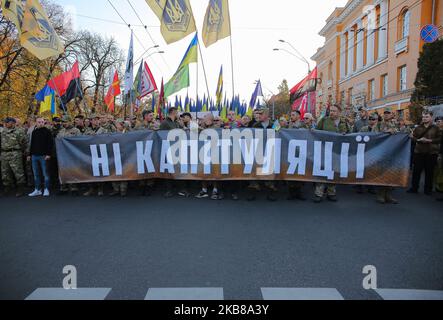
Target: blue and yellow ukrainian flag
{"x": 180, "y": 79}
{"x": 219, "y": 92}
{"x": 46, "y": 97}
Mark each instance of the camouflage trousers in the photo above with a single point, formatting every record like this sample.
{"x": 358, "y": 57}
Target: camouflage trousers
{"x": 12, "y": 168}
{"x": 120, "y": 186}
{"x": 320, "y": 189}
{"x": 68, "y": 187}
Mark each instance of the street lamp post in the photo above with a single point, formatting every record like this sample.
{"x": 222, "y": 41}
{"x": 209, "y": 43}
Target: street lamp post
{"x": 300, "y": 56}
{"x": 146, "y": 51}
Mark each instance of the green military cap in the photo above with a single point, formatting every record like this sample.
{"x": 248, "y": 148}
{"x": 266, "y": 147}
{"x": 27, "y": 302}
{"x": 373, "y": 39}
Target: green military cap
{"x": 263, "y": 110}
{"x": 93, "y": 116}
{"x": 388, "y": 110}
{"x": 66, "y": 118}
{"x": 374, "y": 115}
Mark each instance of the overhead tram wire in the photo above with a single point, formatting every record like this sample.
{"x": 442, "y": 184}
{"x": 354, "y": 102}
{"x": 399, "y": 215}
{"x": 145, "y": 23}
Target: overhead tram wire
{"x": 129, "y": 26}
{"x": 112, "y": 21}
{"x": 342, "y": 51}
{"x": 149, "y": 34}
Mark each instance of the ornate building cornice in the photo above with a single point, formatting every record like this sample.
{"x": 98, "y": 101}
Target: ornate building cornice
{"x": 350, "y": 7}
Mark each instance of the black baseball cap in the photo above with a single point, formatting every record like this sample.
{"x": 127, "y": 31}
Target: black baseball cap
{"x": 9, "y": 119}
{"x": 186, "y": 114}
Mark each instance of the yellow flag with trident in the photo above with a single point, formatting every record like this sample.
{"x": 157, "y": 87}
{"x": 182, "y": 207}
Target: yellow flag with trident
{"x": 217, "y": 23}
{"x": 176, "y": 17}
{"x": 36, "y": 32}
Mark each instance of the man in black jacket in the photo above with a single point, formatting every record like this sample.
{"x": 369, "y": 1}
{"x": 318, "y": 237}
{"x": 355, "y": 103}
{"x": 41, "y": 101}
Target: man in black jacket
{"x": 40, "y": 150}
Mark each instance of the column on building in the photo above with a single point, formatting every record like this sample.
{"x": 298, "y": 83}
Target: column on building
{"x": 343, "y": 52}
{"x": 371, "y": 44}
{"x": 360, "y": 45}
{"x": 350, "y": 51}
{"x": 383, "y": 32}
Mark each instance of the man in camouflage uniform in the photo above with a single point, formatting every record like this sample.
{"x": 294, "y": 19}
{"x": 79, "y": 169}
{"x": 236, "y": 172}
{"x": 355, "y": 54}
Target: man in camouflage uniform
{"x": 388, "y": 125}
{"x": 68, "y": 130}
{"x": 295, "y": 188}
{"x": 13, "y": 145}
{"x": 170, "y": 123}
{"x": 295, "y": 121}
{"x": 121, "y": 187}
{"x": 332, "y": 123}
{"x": 53, "y": 164}
{"x": 373, "y": 125}
{"x": 264, "y": 122}
{"x": 148, "y": 123}
{"x": 94, "y": 130}
{"x": 79, "y": 122}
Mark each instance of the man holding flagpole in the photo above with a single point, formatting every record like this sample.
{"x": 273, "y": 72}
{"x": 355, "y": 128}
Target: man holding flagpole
{"x": 129, "y": 73}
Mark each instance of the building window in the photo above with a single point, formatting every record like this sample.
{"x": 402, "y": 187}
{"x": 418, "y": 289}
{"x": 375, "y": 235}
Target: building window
{"x": 384, "y": 85}
{"x": 402, "y": 74}
{"x": 346, "y": 55}
{"x": 377, "y": 32}
{"x": 371, "y": 90}
{"x": 354, "y": 49}
{"x": 349, "y": 96}
{"x": 330, "y": 70}
{"x": 365, "y": 41}
{"x": 403, "y": 23}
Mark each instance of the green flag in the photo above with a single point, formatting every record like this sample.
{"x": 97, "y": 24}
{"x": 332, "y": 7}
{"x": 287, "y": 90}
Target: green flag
{"x": 179, "y": 81}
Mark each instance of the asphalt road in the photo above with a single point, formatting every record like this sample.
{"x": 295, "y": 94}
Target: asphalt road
{"x": 136, "y": 243}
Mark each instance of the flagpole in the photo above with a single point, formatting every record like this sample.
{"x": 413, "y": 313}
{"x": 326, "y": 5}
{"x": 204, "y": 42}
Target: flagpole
{"x": 232, "y": 54}
{"x": 196, "y": 99}
{"x": 58, "y": 92}
{"x": 204, "y": 69}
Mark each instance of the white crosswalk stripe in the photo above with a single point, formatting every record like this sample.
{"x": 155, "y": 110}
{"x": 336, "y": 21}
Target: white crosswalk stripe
{"x": 218, "y": 294}
{"x": 301, "y": 294}
{"x": 409, "y": 294}
{"x": 69, "y": 294}
{"x": 185, "y": 294}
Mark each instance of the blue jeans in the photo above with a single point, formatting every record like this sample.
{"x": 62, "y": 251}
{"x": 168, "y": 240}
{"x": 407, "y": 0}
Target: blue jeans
{"x": 37, "y": 163}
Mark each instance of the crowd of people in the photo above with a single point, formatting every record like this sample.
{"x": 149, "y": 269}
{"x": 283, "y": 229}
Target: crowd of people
{"x": 29, "y": 157}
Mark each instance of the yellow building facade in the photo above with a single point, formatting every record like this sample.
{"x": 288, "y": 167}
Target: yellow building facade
{"x": 371, "y": 51}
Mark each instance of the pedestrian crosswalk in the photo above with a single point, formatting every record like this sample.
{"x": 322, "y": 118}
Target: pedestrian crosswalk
{"x": 69, "y": 294}
{"x": 301, "y": 294}
{"x": 218, "y": 294}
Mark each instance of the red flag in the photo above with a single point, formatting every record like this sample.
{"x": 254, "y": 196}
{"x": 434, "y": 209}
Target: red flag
{"x": 302, "y": 104}
{"x": 308, "y": 84}
{"x": 113, "y": 91}
{"x": 61, "y": 83}
{"x": 161, "y": 101}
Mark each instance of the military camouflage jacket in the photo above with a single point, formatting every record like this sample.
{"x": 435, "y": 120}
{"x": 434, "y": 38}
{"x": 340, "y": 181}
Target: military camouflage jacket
{"x": 69, "y": 132}
{"x": 96, "y": 131}
{"x": 327, "y": 124}
{"x": 14, "y": 139}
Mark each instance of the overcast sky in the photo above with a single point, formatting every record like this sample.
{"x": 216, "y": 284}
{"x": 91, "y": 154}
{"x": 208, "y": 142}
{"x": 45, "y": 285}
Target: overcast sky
{"x": 257, "y": 25}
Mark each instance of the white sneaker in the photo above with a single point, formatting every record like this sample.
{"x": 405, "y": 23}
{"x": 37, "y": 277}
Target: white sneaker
{"x": 36, "y": 193}
{"x": 46, "y": 193}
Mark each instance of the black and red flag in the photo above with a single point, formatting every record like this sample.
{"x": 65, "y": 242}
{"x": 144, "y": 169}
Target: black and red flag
{"x": 303, "y": 94}
{"x": 67, "y": 84}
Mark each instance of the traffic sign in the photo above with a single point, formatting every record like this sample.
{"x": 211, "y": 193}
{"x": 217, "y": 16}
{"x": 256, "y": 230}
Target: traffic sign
{"x": 429, "y": 33}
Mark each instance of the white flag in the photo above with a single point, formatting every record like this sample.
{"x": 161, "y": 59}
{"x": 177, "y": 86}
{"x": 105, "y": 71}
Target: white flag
{"x": 129, "y": 73}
